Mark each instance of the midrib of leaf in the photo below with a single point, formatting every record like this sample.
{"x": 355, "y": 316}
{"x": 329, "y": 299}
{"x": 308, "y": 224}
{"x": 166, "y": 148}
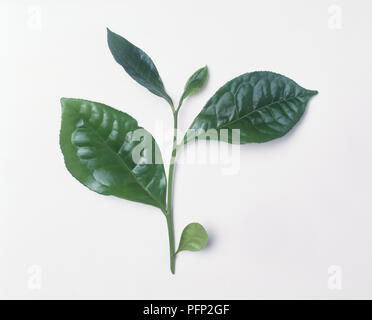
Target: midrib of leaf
{"x": 263, "y": 107}
{"x": 121, "y": 160}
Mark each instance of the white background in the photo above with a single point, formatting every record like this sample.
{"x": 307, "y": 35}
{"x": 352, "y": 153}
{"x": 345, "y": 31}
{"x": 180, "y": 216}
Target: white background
{"x": 297, "y": 206}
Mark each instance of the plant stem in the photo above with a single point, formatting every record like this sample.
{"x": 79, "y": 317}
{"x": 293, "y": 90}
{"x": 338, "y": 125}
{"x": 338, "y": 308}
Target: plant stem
{"x": 169, "y": 214}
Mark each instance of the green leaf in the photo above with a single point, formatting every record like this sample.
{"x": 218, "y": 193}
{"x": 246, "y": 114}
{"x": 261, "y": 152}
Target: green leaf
{"x": 107, "y": 152}
{"x": 262, "y": 105}
{"x": 193, "y": 238}
{"x": 137, "y": 64}
{"x": 195, "y": 83}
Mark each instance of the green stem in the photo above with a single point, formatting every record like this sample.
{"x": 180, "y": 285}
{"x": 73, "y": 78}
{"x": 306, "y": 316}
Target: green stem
{"x": 169, "y": 214}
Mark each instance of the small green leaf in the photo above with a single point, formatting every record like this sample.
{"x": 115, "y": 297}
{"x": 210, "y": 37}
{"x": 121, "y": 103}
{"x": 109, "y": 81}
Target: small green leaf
{"x": 137, "y": 64}
{"x": 193, "y": 238}
{"x": 99, "y": 145}
{"x": 195, "y": 83}
{"x": 262, "y": 105}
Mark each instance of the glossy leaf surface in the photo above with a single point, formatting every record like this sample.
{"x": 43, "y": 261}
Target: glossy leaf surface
{"x": 137, "y": 64}
{"x": 193, "y": 238}
{"x": 195, "y": 83}
{"x": 262, "y": 105}
{"x": 98, "y": 144}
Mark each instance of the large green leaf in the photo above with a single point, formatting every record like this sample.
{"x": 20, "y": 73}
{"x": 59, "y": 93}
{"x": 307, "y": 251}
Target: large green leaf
{"x": 100, "y": 145}
{"x": 195, "y": 83}
{"x": 137, "y": 64}
{"x": 262, "y": 105}
{"x": 193, "y": 238}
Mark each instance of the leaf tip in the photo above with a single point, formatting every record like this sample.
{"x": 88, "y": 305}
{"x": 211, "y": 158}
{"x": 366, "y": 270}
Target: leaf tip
{"x": 110, "y": 34}
{"x": 206, "y": 69}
